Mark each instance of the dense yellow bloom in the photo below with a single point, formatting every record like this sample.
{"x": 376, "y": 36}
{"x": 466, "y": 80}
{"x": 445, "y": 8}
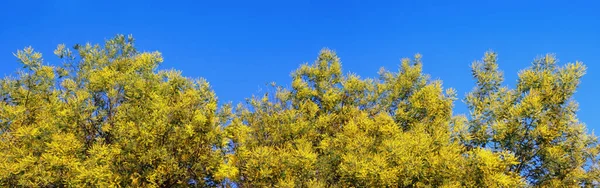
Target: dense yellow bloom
{"x": 536, "y": 122}
{"x": 108, "y": 117}
{"x": 340, "y": 130}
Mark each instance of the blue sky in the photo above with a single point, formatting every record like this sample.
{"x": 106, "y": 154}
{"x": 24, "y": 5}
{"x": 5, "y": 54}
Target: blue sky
{"x": 240, "y": 46}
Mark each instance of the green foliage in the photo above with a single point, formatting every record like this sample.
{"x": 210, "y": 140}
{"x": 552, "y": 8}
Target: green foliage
{"x": 536, "y": 122}
{"x": 107, "y": 117}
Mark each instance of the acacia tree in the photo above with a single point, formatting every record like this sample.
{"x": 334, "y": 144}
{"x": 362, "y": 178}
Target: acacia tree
{"x": 107, "y": 117}
{"x": 536, "y": 122}
{"x": 336, "y": 130}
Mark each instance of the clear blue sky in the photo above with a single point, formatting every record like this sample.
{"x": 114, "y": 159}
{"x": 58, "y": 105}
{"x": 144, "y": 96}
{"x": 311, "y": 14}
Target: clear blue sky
{"x": 239, "y": 46}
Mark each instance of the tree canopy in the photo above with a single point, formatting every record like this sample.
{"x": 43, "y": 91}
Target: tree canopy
{"x": 108, "y": 117}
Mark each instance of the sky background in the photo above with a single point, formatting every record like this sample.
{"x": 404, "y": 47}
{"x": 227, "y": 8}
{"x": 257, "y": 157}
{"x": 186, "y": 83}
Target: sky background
{"x": 240, "y": 46}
